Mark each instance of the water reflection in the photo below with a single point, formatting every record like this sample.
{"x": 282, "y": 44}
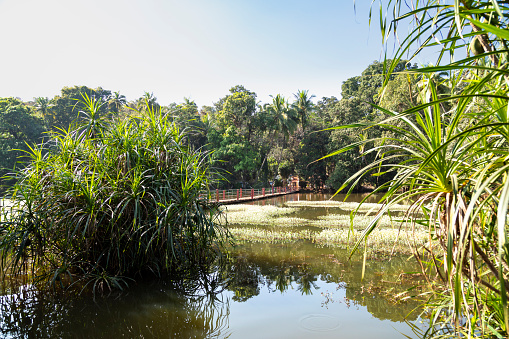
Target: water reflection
{"x": 302, "y": 265}
{"x": 301, "y": 273}
{"x": 262, "y": 290}
{"x": 151, "y": 310}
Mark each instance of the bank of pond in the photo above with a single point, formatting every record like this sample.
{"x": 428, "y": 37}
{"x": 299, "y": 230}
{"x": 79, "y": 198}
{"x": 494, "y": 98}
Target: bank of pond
{"x": 290, "y": 274}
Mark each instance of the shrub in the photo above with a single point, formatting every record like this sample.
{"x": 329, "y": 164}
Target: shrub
{"x": 109, "y": 200}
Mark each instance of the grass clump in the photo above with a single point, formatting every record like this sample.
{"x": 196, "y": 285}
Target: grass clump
{"x": 336, "y": 230}
{"x": 107, "y": 200}
{"x": 382, "y": 240}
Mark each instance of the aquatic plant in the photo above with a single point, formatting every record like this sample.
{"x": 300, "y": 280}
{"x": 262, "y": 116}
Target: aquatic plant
{"x": 340, "y": 230}
{"x": 381, "y": 240}
{"x": 111, "y": 199}
{"x": 359, "y": 221}
{"x": 255, "y": 214}
{"x": 247, "y": 234}
{"x": 277, "y": 216}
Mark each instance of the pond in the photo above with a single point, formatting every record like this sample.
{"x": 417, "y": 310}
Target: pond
{"x": 265, "y": 290}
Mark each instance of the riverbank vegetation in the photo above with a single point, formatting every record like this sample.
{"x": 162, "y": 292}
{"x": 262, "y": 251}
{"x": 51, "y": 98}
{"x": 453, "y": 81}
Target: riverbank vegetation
{"x": 448, "y": 150}
{"x": 106, "y": 201}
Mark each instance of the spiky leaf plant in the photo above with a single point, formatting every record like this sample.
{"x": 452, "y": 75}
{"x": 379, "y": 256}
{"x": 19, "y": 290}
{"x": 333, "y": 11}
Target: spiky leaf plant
{"x": 111, "y": 199}
{"x": 449, "y": 155}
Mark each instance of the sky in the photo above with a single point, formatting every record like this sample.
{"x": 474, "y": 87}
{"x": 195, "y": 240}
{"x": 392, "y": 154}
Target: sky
{"x": 196, "y": 49}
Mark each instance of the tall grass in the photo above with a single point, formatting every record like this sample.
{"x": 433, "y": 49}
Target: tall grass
{"x": 111, "y": 199}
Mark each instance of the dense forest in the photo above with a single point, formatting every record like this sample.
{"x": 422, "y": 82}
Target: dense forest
{"x": 250, "y": 142}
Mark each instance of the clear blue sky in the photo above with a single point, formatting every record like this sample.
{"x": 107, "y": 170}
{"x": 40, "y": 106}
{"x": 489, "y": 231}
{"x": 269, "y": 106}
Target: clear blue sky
{"x": 176, "y": 49}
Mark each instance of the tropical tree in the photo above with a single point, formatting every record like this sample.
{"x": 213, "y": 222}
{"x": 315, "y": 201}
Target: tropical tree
{"x": 117, "y": 101}
{"x": 235, "y": 134}
{"x": 284, "y": 117}
{"x": 450, "y": 159}
{"x": 303, "y": 105}
{"x": 43, "y": 104}
{"x": 147, "y": 101}
{"x": 238, "y": 108}
{"x": 109, "y": 201}
{"x": 19, "y": 127}
{"x": 67, "y": 105}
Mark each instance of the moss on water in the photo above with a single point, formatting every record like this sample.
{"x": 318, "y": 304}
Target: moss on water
{"x": 260, "y": 215}
{"x": 246, "y": 234}
{"x": 359, "y": 222}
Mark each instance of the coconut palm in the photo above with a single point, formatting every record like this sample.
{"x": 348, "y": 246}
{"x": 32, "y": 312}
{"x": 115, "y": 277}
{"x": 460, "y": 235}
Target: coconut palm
{"x": 117, "y": 101}
{"x": 303, "y": 106}
{"x": 147, "y": 100}
{"x": 283, "y": 116}
{"x": 43, "y": 105}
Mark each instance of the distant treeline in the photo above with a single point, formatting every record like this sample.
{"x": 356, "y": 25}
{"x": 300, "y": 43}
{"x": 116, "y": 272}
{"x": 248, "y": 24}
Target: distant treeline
{"x": 250, "y": 142}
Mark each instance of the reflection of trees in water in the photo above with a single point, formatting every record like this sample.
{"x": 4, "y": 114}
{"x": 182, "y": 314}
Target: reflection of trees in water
{"x": 279, "y": 268}
{"x": 242, "y": 277}
{"x": 149, "y": 311}
{"x": 157, "y": 310}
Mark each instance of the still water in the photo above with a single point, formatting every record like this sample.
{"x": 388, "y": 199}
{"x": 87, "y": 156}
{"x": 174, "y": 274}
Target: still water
{"x": 264, "y": 291}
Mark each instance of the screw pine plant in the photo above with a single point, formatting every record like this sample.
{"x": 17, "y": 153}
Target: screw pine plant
{"x": 449, "y": 156}
{"x": 106, "y": 200}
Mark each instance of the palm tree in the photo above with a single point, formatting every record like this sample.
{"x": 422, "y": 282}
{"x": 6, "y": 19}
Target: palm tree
{"x": 43, "y": 105}
{"x": 283, "y": 116}
{"x": 147, "y": 101}
{"x": 303, "y": 105}
{"x": 117, "y": 101}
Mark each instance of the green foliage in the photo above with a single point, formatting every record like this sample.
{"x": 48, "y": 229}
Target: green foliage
{"x": 400, "y": 93}
{"x": 66, "y": 107}
{"x": 284, "y": 117}
{"x": 359, "y": 94}
{"x": 313, "y": 146}
{"x": 18, "y": 127}
{"x": 236, "y": 132}
{"x": 237, "y": 109}
{"x": 303, "y": 106}
{"x": 116, "y": 102}
{"x": 111, "y": 199}
{"x": 448, "y": 151}
{"x": 187, "y": 117}
{"x": 147, "y": 102}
